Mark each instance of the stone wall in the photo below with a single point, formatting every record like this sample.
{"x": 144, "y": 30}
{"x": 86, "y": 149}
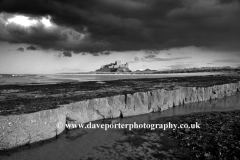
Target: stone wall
{"x": 18, "y": 130}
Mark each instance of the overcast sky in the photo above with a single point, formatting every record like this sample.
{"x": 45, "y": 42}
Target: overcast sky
{"x": 52, "y": 36}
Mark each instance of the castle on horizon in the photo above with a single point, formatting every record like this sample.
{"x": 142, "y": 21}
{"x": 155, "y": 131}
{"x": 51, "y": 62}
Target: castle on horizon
{"x": 117, "y": 66}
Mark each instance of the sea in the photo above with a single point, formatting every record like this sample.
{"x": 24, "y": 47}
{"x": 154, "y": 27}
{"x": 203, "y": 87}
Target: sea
{"x": 38, "y": 79}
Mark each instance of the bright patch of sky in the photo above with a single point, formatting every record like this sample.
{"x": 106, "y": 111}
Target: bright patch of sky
{"x": 29, "y": 21}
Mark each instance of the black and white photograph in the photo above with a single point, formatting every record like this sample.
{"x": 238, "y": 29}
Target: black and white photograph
{"x": 119, "y": 79}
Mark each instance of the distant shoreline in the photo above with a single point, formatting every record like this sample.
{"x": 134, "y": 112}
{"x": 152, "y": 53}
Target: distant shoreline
{"x": 148, "y": 71}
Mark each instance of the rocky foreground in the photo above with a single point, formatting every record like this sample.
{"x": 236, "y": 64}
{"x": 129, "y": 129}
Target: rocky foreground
{"x": 216, "y": 139}
{"x": 31, "y": 113}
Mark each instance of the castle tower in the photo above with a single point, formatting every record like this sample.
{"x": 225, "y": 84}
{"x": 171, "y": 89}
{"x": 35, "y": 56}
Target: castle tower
{"x": 118, "y": 63}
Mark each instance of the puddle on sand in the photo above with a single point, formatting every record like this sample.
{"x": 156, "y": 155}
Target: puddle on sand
{"x": 121, "y": 143}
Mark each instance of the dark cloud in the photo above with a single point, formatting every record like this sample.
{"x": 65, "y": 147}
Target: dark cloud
{"x": 151, "y": 56}
{"x": 31, "y": 48}
{"x": 20, "y": 49}
{"x": 106, "y": 53}
{"x": 67, "y": 54}
{"x": 117, "y": 25}
{"x": 95, "y": 54}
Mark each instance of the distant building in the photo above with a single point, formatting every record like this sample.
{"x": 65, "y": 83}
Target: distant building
{"x": 114, "y": 67}
{"x": 117, "y": 64}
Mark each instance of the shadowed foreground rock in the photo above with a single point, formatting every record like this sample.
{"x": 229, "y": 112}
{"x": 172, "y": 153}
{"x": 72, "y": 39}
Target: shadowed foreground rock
{"x": 27, "y": 128}
{"x": 217, "y": 138}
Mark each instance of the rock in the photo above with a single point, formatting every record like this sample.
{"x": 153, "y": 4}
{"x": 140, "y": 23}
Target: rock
{"x": 18, "y": 130}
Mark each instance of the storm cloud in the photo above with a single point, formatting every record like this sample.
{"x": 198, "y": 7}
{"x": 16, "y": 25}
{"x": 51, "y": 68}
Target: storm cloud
{"x": 67, "y": 54}
{"x": 114, "y": 25}
{"x": 31, "y": 48}
{"x": 20, "y": 49}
